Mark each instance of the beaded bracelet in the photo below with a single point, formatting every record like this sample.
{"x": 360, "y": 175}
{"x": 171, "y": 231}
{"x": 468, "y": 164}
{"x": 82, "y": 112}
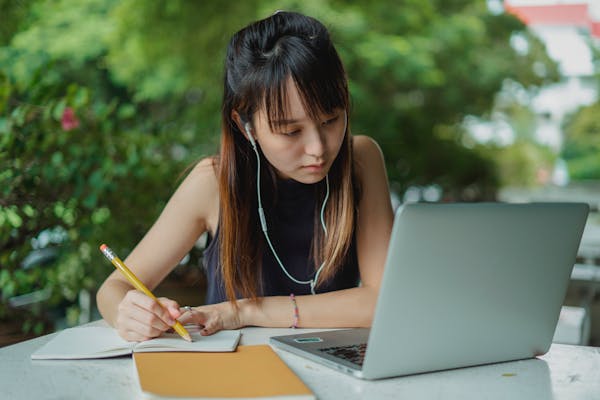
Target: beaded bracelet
{"x": 296, "y": 313}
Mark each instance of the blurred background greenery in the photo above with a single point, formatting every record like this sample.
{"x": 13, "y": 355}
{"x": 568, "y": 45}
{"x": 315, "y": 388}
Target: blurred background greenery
{"x": 104, "y": 103}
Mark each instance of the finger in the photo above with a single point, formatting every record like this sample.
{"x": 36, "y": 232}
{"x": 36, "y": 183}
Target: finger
{"x": 141, "y": 322}
{"x": 186, "y": 309}
{"x": 186, "y": 314}
{"x": 209, "y": 330}
{"x": 136, "y": 331}
{"x": 211, "y": 326}
{"x": 135, "y": 312}
{"x": 155, "y": 319}
{"x": 191, "y": 326}
{"x": 195, "y": 317}
{"x": 132, "y": 336}
{"x": 171, "y": 306}
{"x": 141, "y": 300}
{"x": 146, "y": 330}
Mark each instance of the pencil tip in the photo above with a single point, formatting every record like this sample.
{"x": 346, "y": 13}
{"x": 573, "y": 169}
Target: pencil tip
{"x": 188, "y": 338}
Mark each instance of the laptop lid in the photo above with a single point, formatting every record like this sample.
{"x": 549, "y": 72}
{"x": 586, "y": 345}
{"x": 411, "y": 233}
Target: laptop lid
{"x": 464, "y": 284}
{"x": 468, "y": 284}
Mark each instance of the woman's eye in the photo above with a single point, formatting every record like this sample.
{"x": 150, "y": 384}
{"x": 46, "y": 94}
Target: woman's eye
{"x": 331, "y": 120}
{"x": 292, "y": 133}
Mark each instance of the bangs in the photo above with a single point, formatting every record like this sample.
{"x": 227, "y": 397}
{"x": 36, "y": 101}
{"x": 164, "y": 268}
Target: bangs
{"x": 318, "y": 99}
{"x": 317, "y": 72}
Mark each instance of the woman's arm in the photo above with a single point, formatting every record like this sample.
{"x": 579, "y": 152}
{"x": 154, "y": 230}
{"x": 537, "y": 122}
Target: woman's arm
{"x": 344, "y": 308}
{"x": 188, "y": 214}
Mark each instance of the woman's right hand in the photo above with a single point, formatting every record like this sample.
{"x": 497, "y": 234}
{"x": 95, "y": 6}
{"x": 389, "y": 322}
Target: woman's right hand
{"x": 141, "y": 318}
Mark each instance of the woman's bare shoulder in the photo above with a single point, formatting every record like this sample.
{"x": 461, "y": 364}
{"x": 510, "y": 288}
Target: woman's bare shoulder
{"x": 200, "y": 190}
{"x": 206, "y": 169}
{"x": 365, "y": 151}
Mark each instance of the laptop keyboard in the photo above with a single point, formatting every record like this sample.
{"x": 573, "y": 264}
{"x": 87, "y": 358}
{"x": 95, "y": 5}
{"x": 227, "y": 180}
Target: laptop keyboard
{"x": 354, "y": 353}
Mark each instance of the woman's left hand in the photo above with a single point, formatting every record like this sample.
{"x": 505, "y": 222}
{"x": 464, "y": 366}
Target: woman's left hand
{"x": 212, "y": 318}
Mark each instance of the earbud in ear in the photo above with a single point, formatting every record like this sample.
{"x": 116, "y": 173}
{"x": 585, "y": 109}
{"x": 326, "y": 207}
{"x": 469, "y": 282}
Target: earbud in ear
{"x": 249, "y": 134}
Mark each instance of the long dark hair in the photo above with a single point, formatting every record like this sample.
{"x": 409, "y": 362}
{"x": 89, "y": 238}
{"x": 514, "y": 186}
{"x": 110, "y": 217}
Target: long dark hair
{"x": 260, "y": 60}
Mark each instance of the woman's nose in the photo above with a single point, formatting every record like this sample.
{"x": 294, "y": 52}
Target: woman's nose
{"x": 315, "y": 143}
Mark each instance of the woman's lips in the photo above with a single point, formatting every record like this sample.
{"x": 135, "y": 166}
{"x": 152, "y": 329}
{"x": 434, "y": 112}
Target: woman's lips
{"x": 314, "y": 167}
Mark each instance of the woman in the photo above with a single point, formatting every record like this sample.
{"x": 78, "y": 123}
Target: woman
{"x": 297, "y": 208}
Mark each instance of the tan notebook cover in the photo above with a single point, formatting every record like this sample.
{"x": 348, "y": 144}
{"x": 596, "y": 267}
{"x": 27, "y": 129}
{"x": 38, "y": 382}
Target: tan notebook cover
{"x": 249, "y": 372}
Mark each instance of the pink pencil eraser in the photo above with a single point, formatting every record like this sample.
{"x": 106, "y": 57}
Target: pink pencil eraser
{"x": 103, "y": 246}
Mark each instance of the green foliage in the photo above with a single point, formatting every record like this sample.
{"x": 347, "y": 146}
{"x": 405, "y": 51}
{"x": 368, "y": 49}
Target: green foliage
{"x": 417, "y": 69}
{"x": 143, "y": 81}
{"x": 523, "y": 163}
{"x": 161, "y": 49}
{"x": 12, "y": 15}
{"x": 104, "y": 178}
{"x": 55, "y": 23}
{"x": 581, "y": 148}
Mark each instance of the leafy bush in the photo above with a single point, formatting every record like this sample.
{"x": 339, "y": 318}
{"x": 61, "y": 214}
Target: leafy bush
{"x": 78, "y": 168}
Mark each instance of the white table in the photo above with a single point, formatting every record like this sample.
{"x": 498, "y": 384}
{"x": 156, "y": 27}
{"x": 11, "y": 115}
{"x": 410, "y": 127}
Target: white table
{"x": 566, "y": 372}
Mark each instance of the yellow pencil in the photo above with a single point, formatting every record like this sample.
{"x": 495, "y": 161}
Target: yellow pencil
{"x": 108, "y": 253}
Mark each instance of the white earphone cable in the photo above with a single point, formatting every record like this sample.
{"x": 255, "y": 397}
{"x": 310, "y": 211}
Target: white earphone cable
{"x": 263, "y": 221}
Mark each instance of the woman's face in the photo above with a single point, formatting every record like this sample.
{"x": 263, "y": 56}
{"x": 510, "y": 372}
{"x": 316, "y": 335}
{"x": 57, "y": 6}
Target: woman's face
{"x": 298, "y": 147}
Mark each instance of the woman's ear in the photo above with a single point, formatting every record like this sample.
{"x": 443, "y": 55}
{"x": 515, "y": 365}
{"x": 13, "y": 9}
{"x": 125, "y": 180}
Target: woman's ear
{"x": 243, "y": 126}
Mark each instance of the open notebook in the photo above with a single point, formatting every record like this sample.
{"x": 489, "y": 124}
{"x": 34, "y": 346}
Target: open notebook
{"x": 103, "y": 342}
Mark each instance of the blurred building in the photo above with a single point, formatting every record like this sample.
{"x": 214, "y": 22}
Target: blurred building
{"x": 583, "y": 14}
{"x": 568, "y": 28}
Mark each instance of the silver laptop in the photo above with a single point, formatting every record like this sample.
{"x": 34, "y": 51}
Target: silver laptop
{"x": 464, "y": 284}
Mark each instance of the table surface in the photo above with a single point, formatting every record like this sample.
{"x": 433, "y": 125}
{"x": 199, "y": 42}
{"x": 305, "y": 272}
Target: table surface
{"x": 565, "y": 372}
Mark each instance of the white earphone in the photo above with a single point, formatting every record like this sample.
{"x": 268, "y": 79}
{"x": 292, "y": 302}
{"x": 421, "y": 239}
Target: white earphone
{"x": 263, "y": 221}
{"x": 250, "y": 137}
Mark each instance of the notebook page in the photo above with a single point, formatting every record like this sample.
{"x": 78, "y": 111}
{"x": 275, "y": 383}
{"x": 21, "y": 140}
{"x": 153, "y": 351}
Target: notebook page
{"x": 222, "y": 341}
{"x": 84, "y": 342}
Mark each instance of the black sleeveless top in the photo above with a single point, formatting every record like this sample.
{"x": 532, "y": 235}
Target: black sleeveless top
{"x": 290, "y": 229}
